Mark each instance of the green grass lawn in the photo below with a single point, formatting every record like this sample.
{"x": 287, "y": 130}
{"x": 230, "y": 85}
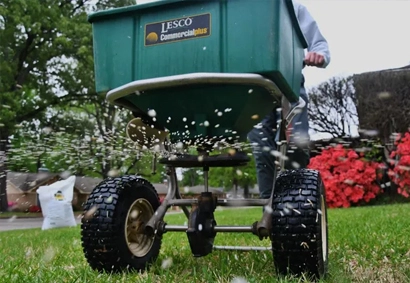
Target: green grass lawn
{"x": 11, "y": 214}
{"x": 366, "y": 245}
{"x": 5, "y": 215}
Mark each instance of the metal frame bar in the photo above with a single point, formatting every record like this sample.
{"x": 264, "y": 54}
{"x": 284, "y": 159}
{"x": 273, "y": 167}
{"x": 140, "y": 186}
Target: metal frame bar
{"x": 221, "y": 202}
{"x": 173, "y": 198}
{"x": 172, "y": 194}
{"x": 193, "y": 78}
{"x": 242, "y": 248}
{"x": 219, "y": 228}
{"x": 291, "y": 112}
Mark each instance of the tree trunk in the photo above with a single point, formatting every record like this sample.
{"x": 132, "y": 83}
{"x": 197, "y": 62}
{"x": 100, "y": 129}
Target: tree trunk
{"x": 235, "y": 188}
{"x": 246, "y": 191}
{"x": 3, "y": 170}
{"x": 193, "y": 178}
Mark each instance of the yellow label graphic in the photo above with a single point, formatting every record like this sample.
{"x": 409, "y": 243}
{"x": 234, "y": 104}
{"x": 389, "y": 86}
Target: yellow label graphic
{"x": 178, "y": 29}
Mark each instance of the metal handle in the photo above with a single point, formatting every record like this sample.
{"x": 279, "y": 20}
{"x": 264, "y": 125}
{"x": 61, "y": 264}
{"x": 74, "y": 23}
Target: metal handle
{"x": 293, "y": 111}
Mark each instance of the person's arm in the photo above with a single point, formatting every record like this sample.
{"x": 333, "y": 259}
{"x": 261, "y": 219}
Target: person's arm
{"x": 318, "y": 50}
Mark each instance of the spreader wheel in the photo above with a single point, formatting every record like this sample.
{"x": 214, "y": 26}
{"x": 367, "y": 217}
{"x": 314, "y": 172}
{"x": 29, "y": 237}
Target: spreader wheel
{"x": 299, "y": 224}
{"x": 113, "y": 226}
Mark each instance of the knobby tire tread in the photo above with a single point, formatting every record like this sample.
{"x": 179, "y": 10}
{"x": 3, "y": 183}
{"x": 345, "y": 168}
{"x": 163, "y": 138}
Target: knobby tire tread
{"x": 100, "y": 229}
{"x": 296, "y": 223}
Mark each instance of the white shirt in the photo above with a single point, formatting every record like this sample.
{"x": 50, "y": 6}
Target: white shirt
{"x": 314, "y": 38}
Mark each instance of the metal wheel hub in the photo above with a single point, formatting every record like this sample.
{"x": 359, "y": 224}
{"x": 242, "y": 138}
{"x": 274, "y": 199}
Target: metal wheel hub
{"x": 138, "y": 215}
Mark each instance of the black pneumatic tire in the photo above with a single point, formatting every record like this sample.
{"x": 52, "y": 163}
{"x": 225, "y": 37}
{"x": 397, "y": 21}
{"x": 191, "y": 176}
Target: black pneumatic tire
{"x": 299, "y": 224}
{"x": 103, "y": 229}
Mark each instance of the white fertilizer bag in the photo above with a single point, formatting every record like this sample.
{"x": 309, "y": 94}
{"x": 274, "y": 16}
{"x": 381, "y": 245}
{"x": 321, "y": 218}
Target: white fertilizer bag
{"x": 55, "y": 201}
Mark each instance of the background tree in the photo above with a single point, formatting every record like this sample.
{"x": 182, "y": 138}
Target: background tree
{"x": 234, "y": 177}
{"x": 192, "y": 177}
{"x": 45, "y": 59}
{"x": 223, "y": 177}
{"x": 332, "y": 107}
{"x": 90, "y": 142}
{"x": 384, "y": 102}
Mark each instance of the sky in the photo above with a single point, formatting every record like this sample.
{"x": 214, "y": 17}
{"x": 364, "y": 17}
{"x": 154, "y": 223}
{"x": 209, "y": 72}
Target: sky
{"x": 363, "y": 36}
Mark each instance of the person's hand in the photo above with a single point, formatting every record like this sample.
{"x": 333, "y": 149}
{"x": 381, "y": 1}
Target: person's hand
{"x": 314, "y": 59}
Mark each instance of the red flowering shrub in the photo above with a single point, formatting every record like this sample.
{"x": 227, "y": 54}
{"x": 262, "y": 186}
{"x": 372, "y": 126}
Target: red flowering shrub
{"x": 347, "y": 177}
{"x": 400, "y": 174}
{"x": 11, "y": 204}
{"x": 34, "y": 208}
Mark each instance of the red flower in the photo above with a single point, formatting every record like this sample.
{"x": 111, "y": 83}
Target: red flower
{"x": 352, "y": 154}
{"x": 348, "y": 178}
{"x": 34, "y": 208}
{"x": 400, "y": 174}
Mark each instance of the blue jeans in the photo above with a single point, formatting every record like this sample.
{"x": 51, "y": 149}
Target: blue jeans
{"x": 263, "y": 138}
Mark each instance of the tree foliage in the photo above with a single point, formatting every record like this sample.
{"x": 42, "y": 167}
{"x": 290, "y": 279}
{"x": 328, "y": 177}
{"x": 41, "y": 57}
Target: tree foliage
{"x": 234, "y": 177}
{"x": 86, "y": 141}
{"x": 192, "y": 177}
{"x": 223, "y": 177}
{"x": 332, "y": 107}
{"x": 45, "y": 58}
{"x": 384, "y": 102}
